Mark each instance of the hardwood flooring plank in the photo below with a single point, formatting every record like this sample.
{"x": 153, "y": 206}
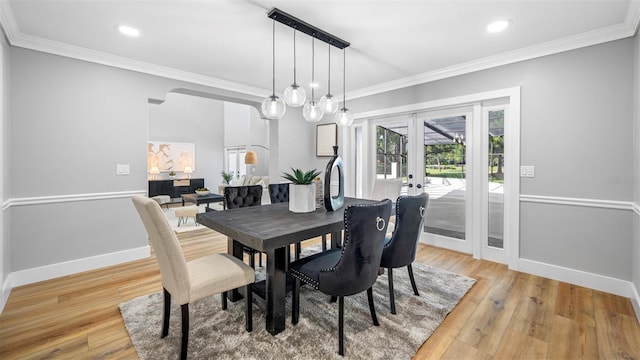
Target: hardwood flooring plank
{"x": 575, "y": 303}
{"x": 521, "y": 346}
{"x": 570, "y": 339}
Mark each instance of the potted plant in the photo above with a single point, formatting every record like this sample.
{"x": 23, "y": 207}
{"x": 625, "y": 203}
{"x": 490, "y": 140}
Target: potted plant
{"x": 226, "y": 177}
{"x": 172, "y": 174}
{"x": 302, "y": 191}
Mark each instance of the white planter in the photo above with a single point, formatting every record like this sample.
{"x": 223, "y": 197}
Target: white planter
{"x": 302, "y": 198}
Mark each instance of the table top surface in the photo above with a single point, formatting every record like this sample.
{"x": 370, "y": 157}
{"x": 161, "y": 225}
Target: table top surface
{"x": 273, "y": 226}
{"x": 209, "y": 196}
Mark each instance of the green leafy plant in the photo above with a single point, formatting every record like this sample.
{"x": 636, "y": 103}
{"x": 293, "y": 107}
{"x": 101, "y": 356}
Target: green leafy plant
{"x": 172, "y": 173}
{"x": 226, "y": 177}
{"x": 301, "y": 178}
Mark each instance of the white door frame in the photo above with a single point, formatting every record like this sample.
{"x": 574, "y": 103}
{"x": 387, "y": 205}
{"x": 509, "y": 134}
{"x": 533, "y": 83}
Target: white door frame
{"x": 512, "y": 147}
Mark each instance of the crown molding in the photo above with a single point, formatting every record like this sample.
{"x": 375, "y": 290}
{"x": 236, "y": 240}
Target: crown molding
{"x": 611, "y": 33}
{"x": 18, "y": 39}
{"x": 615, "y": 32}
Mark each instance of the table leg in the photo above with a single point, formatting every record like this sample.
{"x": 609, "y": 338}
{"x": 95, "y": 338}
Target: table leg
{"x": 276, "y": 290}
{"x": 234, "y": 248}
{"x": 182, "y": 201}
{"x": 336, "y": 239}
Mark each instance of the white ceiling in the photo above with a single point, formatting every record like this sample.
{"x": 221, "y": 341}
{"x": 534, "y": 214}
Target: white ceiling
{"x": 227, "y": 43}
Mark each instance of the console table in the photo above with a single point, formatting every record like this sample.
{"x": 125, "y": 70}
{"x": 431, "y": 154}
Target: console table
{"x": 174, "y": 188}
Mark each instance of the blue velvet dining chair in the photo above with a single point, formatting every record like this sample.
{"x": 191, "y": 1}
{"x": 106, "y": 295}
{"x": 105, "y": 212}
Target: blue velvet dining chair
{"x": 400, "y": 249}
{"x": 351, "y": 269}
{"x": 245, "y": 196}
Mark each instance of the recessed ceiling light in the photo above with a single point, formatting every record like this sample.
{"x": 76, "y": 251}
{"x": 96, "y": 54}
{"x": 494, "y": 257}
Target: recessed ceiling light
{"x": 129, "y": 31}
{"x": 498, "y": 26}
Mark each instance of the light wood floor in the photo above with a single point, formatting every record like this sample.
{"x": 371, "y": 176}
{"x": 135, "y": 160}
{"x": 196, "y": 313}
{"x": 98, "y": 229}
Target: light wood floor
{"x": 506, "y": 315}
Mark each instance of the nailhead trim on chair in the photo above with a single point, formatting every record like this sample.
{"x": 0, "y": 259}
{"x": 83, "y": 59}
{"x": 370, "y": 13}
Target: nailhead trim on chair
{"x": 305, "y": 278}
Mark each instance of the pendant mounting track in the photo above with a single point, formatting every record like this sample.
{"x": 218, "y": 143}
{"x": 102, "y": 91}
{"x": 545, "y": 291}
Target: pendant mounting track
{"x": 292, "y": 21}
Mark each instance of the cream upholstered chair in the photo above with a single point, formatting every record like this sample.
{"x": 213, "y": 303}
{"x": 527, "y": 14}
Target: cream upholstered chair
{"x": 387, "y": 189}
{"x": 189, "y": 281}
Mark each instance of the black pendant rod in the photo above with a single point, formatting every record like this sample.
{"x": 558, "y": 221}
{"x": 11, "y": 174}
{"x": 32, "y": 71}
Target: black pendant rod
{"x": 292, "y": 21}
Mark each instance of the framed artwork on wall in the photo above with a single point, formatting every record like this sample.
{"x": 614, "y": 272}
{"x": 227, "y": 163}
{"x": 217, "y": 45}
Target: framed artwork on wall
{"x": 326, "y": 139}
{"x": 171, "y": 156}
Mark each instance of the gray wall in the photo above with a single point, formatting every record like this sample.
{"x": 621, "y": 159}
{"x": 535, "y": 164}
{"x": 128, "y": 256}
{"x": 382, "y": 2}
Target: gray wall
{"x": 636, "y": 168}
{"x": 576, "y": 128}
{"x": 5, "y": 224}
{"x": 71, "y": 123}
{"x": 192, "y": 119}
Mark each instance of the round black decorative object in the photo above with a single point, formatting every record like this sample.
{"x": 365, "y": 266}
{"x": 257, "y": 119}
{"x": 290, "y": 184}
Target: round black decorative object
{"x": 333, "y": 203}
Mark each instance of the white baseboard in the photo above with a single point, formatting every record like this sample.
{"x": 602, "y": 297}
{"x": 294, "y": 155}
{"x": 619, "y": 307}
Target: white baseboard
{"x": 29, "y": 276}
{"x": 635, "y": 301}
{"x": 578, "y": 277}
{"x": 6, "y": 291}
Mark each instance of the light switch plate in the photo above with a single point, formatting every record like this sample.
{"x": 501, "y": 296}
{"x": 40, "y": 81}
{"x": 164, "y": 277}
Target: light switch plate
{"x": 122, "y": 169}
{"x": 527, "y": 171}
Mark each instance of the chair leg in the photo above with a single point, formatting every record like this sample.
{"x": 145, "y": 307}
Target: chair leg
{"x": 341, "y": 325}
{"x": 413, "y": 281}
{"x": 248, "y": 308}
{"x": 252, "y": 260}
{"x": 298, "y": 250}
{"x": 223, "y": 297}
{"x": 392, "y": 300}
{"x": 259, "y": 258}
{"x": 372, "y": 308}
{"x": 324, "y": 242}
{"x": 295, "y": 301}
{"x": 166, "y": 314}
{"x": 185, "y": 331}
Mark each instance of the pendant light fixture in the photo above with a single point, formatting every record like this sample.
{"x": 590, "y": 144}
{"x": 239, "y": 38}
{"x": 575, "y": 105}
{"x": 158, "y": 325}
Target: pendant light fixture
{"x": 328, "y": 102}
{"x": 273, "y": 108}
{"x": 294, "y": 95}
{"x": 312, "y": 111}
{"x": 344, "y": 117}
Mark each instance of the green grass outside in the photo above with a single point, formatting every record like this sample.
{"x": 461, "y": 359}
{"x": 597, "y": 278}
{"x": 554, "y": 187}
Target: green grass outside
{"x": 457, "y": 172}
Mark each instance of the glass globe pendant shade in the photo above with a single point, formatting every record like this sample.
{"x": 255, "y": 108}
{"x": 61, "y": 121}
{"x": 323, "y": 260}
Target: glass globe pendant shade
{"x": 344, "y": 117}
{"x": 329, "y": 103}
{"x": 273, "y": 108}
{"x": 295, "y": 95}
{"x": 312, "y": 111}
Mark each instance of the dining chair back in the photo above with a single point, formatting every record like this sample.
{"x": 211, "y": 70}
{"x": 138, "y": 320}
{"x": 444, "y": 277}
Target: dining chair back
{"x": 242, "y": 196}
{"x": 386, "y": 189}
{"x": 400, "y": 249}
{"x": 245, "y": 196}
{"x": 279, "y": 193}
{"x": 351, "y": 269}
{"x": 189, "y": 281}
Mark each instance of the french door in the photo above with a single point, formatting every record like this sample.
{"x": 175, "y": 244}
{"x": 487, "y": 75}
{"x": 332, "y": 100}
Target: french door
{"x": 234, "y": 161}
{"x": 466, "y": 157}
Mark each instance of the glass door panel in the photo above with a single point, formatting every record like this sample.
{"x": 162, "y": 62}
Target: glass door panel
{"x": 496, "y": 160}
{"x": 443, "y": 136}
{"x": 235, "y": 161}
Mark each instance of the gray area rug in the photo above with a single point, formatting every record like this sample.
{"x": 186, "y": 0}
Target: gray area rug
{"x": 218, "y": 334}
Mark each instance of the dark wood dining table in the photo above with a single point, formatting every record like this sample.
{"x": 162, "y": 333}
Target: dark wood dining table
{"x": 271, "y": 229}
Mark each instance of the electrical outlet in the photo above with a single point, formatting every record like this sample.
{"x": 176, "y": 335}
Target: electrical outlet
{"x": 122, "y": 169}
{"x": 527, "y": 171}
